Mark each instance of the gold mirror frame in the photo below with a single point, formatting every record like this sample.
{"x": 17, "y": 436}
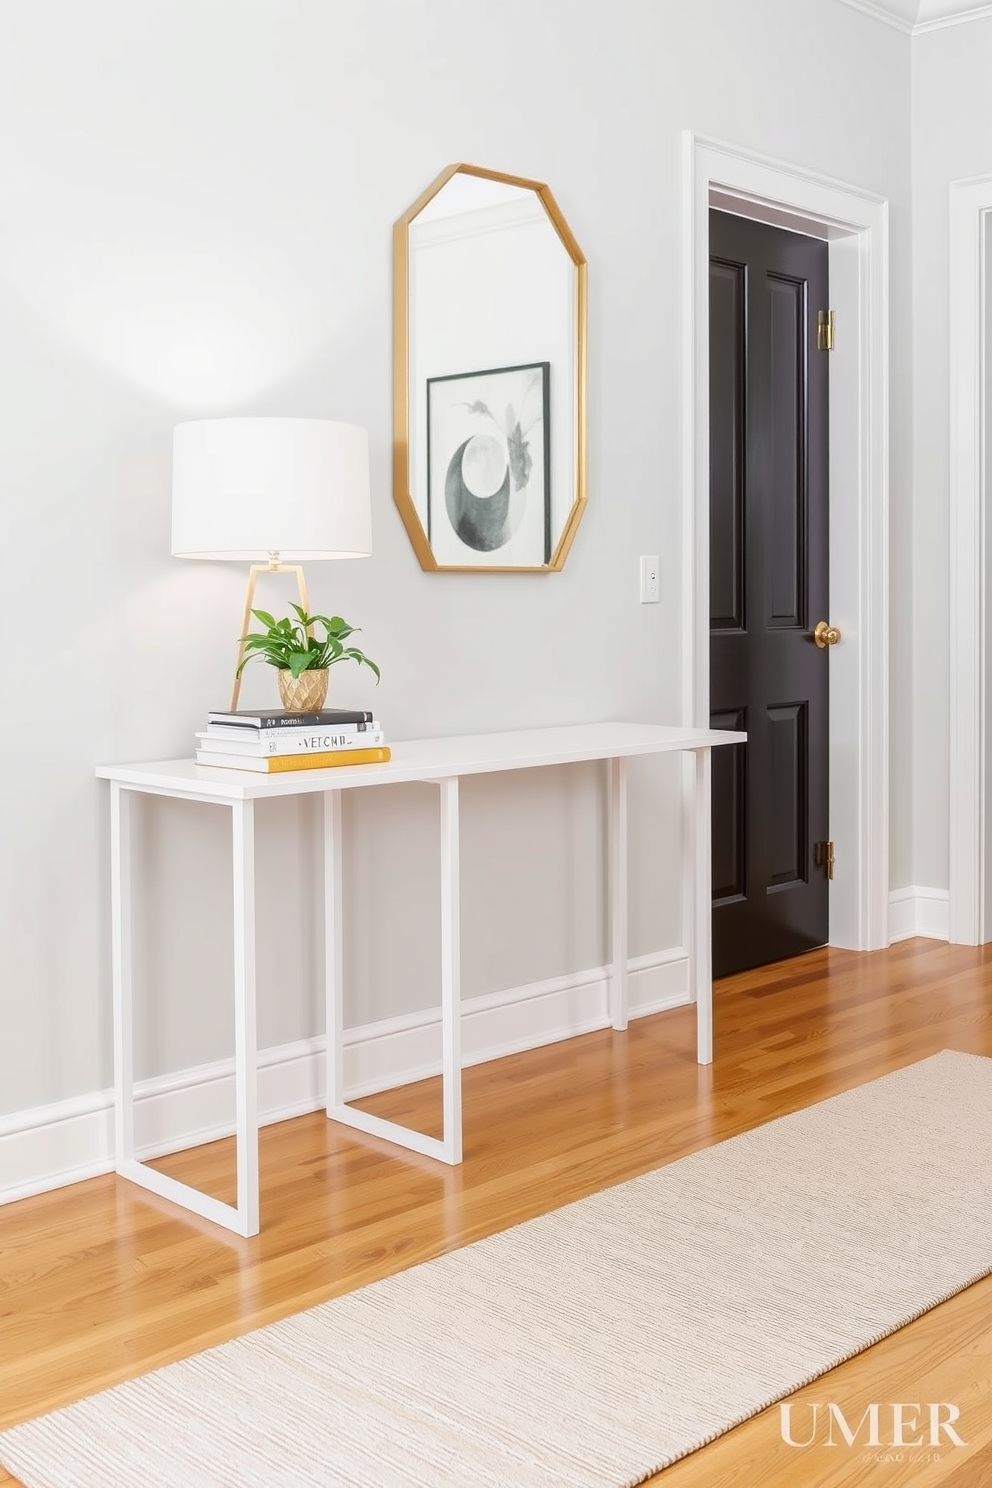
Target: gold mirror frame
{"x": 401, "y": 376}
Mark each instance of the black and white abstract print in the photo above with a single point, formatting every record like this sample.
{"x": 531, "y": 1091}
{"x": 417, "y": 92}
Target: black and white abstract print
{"x": 489, "y": 467}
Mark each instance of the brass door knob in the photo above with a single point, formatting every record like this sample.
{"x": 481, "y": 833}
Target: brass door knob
{"x": 826, "y": 635}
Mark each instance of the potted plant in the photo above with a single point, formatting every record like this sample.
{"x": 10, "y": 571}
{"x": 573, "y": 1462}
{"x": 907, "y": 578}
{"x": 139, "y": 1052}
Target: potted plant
{"x": 301, "y": 659}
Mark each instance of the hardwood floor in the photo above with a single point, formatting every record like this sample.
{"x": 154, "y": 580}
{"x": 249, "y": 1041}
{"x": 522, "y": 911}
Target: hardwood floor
{"x": 101, "y": 1281}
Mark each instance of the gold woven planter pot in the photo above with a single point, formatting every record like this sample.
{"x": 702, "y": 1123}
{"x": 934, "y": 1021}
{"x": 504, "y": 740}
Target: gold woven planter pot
{"x": 304, "y": 695}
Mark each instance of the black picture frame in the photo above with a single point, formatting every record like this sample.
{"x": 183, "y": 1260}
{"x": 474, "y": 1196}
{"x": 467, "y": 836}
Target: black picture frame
{"x": 489, "y": 467}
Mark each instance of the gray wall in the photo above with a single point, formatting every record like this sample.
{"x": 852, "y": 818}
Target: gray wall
{"x": 197, "y": 200}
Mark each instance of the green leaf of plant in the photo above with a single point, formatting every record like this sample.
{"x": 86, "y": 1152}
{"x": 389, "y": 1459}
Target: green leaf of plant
{"x": 299, "y": 661}
{"x": 291, "y": 647}
{"x": 353, "y": 654}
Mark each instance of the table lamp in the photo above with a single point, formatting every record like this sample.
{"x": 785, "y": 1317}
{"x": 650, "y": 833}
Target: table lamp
{"x": 268, "y": 490}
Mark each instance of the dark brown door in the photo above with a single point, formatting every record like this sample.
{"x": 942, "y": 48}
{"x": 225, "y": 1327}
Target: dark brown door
{"x": 769, "y": 511}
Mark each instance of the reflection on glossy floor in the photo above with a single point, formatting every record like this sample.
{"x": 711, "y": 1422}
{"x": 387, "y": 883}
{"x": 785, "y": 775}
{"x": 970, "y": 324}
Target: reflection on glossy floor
{"x": 102, "y": 1281}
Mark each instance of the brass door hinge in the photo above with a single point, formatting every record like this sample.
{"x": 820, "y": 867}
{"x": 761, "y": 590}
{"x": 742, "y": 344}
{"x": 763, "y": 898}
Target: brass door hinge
{"x": 825, "y": 327}
{"x": 823, "y": 857}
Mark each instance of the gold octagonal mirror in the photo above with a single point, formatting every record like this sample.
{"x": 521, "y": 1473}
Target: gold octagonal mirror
{"x": 489, "y": 327}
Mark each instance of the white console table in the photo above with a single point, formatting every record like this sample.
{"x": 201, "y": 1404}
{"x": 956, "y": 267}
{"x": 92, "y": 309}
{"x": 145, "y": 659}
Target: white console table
{"x": 443, "y": 761}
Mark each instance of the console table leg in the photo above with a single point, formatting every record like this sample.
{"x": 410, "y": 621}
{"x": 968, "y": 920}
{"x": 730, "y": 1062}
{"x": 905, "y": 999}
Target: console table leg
{"x": 701, "y": 953}
{"x": 451, "y": 972}
{"x": 245, "y": 1026}
{"x": 333, "y": 950}
{"x": 122, "y": 970}
{"x": 618, "y": 891}
{"x": 448, "y": 1148}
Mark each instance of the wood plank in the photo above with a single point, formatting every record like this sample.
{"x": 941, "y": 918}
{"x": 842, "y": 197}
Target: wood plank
{"x": 101, "y": 1281}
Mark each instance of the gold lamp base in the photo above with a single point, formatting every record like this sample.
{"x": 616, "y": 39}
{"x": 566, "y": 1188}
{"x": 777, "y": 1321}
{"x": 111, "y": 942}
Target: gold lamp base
{"x": 253, "y": 573}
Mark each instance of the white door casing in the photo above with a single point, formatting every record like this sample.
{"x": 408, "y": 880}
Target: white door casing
{"x": 855, "y": 225}
{"x": 969, "y": 914}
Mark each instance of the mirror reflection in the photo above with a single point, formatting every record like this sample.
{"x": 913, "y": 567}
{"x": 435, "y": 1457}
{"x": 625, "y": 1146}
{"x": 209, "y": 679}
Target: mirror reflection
{"x": 489, "y": 378}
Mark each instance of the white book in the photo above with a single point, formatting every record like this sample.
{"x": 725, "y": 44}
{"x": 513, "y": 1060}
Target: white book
{"x": 304, "y": 731}
{"x": 303, "y": 741}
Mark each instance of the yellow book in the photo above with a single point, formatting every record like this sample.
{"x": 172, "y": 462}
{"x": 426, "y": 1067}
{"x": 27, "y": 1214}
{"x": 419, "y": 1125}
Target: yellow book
{"x": 271, "y": 763}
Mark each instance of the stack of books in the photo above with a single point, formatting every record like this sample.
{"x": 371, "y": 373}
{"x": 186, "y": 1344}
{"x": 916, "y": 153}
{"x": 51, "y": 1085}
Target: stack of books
{"x": 260, "y": 741}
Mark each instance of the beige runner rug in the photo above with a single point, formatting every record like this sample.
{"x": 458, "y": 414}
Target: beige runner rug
{"x": 594, "y": 1345}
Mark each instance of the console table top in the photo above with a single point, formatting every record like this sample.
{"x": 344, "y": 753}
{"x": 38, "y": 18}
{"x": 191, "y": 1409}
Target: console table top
{"x": 424, "y": 759}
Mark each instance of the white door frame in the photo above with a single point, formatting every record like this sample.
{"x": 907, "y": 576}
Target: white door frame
{"x": 855, "y": 225}
{"x": 968, "y": 911}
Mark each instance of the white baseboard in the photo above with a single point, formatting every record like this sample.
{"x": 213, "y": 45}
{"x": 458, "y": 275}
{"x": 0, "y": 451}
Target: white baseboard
{"x": 51, "y": 1146}
{"x": 916, "y": 911}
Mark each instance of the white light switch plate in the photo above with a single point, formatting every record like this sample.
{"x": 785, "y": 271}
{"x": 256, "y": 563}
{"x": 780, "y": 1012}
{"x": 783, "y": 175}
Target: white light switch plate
{"x": 650, "y": 581}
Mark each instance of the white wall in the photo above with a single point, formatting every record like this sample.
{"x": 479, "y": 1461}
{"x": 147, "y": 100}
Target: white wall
{"x": 197, "y": 198}
{"x": 952, "y": 139}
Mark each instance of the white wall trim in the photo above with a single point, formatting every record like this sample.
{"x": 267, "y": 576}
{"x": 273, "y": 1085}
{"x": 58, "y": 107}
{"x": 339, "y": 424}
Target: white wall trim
{"x": 913, "y": 17}
{"x": 956, "y": 18}
{"x": 916, "y": 911}
{"x": 477, "y": 222}
{"x": 855, "y": 224}
{"x": 51, "y": 1146}
{"x": 970, "y": 206}
{"x": 898, "y": 21}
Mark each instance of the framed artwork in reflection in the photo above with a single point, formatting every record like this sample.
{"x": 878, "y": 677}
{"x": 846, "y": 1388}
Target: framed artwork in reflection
{"x": 489, "y": 467}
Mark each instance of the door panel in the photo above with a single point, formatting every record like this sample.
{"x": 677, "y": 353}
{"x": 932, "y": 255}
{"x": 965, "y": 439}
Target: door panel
{"x": 729, "y": 795}
{"x": 727, "y": 318}
{"x": 785, "y": 491}
{"x": 787, "y": 819}
{"x": 769, "y": 584}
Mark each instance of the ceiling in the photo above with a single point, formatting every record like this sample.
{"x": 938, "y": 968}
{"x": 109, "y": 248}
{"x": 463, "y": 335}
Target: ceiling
{"x": 914, "y": 16}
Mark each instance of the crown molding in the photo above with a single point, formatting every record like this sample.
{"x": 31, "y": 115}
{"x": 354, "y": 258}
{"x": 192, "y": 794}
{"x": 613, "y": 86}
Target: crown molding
{"x": 912, "y": 17}
{"x": 890, "y": 12}
{"x": 936, "y": 14}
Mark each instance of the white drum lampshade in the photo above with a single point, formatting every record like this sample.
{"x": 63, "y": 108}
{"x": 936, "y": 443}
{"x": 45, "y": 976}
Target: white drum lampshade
{"x": 272, "y": 492}
{"x": 270, "y": 489}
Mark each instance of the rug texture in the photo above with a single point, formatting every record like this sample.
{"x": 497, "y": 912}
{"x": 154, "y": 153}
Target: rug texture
{"x": 594, "y": 1345}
